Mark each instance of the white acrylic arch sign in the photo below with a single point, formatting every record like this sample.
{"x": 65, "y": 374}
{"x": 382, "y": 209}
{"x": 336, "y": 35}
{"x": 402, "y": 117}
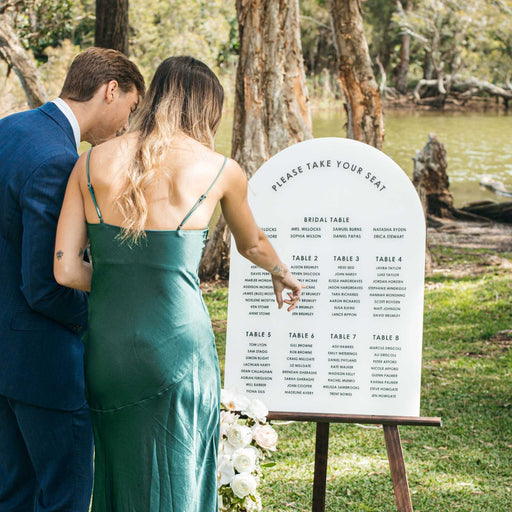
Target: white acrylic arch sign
{"x": 348, "y": 222}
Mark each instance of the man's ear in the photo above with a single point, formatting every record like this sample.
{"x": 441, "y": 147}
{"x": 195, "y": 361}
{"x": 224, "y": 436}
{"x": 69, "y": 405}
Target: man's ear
{"x": 111, "y": 90}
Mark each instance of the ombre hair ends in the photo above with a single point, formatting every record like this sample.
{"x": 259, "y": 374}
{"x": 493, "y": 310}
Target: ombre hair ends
{"x": 184, "y": 95}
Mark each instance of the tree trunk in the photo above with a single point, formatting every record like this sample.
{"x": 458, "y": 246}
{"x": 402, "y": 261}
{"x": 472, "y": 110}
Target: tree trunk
{"x": 383, "y": 76}
{"x": 403, "y": 67}
{"x": 17, "y": 58}
{"x": 432, "y": 184}
{"x": 405, "y": 51}
{"x": 364, "y": 110}
{"x": 271, "y": 100}
{"x": 431, "y": 180}
{"x": 111, "y": 30}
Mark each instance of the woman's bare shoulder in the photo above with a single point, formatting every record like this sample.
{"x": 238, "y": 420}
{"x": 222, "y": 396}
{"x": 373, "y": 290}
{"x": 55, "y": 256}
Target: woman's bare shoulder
{"x": 231, "y": 171}
{"x": 109, "y": 157}
{"x": 215, "y": 160}
{"x": 187, "y": 153}
{"x": 117, "y": 148}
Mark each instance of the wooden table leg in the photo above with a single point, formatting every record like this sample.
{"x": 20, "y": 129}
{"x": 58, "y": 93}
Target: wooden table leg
{"x": 397, "y": 467}
{"x": 321, "y": 453}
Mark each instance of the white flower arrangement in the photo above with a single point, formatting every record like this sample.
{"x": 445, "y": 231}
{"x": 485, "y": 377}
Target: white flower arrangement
{"x": 246, "y": 440}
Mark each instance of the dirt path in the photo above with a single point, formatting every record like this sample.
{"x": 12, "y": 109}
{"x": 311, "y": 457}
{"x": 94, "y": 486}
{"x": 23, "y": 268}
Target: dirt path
{"x": 476, "y": 248}
{"x": 472, "y": 235}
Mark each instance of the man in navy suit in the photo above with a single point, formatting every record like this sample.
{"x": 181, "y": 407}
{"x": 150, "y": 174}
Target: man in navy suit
{"x": 45, "y": 433}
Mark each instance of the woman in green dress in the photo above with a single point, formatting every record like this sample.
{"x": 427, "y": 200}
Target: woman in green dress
{"x": 143, "y": 202}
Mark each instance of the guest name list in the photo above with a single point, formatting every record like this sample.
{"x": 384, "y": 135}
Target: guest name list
{"x": 350, "y": 226}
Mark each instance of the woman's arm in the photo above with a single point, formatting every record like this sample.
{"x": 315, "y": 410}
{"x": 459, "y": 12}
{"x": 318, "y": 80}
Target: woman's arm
{"x": 69, "y": 266}
{"x": 251, "y": 242}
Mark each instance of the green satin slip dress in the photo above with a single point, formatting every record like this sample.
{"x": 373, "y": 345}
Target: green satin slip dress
{"x": 152, "y": 373}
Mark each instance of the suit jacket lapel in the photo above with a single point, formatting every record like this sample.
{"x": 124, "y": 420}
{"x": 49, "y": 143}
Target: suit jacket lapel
{"x": 52, "y": 111}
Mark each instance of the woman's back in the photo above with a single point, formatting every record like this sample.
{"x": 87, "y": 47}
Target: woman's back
{"x": 187, "y": 170}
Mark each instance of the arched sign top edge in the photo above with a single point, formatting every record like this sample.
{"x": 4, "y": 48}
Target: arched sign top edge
{"x": 401, "y": 176}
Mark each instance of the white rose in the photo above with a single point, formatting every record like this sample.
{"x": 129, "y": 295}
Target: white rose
{"x": 256, "y": 410}
{"x": 243, "y": 485}
{"x": 239, "y": 436}
{"x": 244, "y": 459}
{"x": 233, "y": 401}
{"x": 226, "y": 419}
{"x": 225, "y": 471}
{"x": 265, "y": 436}
{"x": 225, "y": 449}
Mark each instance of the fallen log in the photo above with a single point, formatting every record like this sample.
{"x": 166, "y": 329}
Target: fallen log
{"x": 493, "y": 210}
{"x": 458, "y": 89}
{"x": 473, "y": 85}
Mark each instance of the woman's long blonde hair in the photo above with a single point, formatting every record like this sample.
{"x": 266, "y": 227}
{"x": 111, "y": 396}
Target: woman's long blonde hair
{"x": 184, "y": 95}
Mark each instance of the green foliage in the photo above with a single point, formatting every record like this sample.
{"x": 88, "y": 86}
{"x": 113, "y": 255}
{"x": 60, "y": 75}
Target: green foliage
{"x": 230, "y": 49}
{"x": 46, "y": 23}
{"x": 463, "y": 37}
{"x": 158, "y": 29}
{"x": 318, "y": 49}
{"x": 161, "y": 28}
{"x": 495, "y": 51}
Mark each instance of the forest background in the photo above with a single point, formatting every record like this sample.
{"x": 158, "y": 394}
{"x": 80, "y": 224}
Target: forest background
{"x": 441, "y": 42}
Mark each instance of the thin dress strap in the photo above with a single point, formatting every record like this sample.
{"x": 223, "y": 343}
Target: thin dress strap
{"x": 91, "y": 190}
{"x": 203, "y": 197}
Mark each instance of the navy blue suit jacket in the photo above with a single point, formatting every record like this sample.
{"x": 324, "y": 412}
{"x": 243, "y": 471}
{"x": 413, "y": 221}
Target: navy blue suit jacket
{"x": 41, "y": 322}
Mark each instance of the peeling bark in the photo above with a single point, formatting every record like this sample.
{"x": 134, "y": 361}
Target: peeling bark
{"x": 364, "y": 109}
{"x": 18, "y": 59}
{"x": 271, "y": 100}
{"x": 271, "y": 104}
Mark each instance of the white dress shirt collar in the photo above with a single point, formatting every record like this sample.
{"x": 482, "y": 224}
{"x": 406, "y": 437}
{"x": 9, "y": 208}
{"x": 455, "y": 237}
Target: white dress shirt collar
{"x": 66, "y": 110}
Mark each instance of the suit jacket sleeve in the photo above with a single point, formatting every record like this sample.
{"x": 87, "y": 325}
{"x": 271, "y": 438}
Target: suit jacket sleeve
{"x": 41, "y": 200}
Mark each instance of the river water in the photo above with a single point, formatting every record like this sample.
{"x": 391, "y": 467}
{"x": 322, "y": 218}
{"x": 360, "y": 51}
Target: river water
{"x": 476, "y": 144}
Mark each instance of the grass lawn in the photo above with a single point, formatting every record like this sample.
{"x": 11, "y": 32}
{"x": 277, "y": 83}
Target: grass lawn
{"x": 465, "y": 465}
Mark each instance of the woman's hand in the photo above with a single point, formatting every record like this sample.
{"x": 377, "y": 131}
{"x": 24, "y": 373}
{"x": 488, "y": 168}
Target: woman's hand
{"x": 285, "y": 280}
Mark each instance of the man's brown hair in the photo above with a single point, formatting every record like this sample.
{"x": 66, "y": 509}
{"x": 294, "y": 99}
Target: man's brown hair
{"x": 97, "y": 66}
